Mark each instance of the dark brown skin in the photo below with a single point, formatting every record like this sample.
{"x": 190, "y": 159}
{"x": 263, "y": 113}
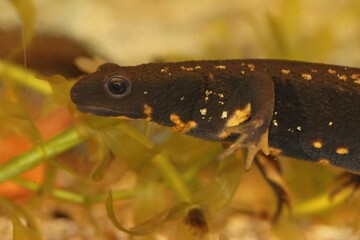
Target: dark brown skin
{"x": 310, "y": 111}
{"x": 47, "y": 55}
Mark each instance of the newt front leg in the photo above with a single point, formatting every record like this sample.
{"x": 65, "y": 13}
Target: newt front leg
{"x": 254, "y": 132}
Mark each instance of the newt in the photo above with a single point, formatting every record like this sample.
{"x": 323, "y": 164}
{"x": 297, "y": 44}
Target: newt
{"x": 296, "y": 109}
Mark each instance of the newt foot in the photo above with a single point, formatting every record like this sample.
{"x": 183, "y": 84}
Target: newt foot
{"x": 249, "y": 138}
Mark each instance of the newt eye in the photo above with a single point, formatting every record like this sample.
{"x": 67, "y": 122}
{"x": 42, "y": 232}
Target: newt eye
{"x": 118, "y": 87}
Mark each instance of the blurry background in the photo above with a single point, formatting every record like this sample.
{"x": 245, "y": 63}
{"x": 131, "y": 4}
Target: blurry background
{"x": 138, "y": 31}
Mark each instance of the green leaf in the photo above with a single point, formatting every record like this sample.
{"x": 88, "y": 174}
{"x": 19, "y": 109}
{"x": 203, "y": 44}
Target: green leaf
{"x": 56, "y": 145}
{"x": 218, "y": 194}
{"x": 142, "y": 229}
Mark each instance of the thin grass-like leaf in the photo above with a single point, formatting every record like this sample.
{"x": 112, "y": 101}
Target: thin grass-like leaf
{"x": 172, "y": 177}
{"x": 26, "y": 11}
{"x": 139, "y": 231}
{"x": 321, "y": 203}
{"x": 146, "y": 227}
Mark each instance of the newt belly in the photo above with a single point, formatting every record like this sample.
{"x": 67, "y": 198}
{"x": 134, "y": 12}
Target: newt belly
{"x": 302, "y": 110}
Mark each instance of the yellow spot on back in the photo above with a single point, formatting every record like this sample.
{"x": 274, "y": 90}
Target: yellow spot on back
{"x": 275, "y": 123}
{"x": 342, "y": 150}
{"x": 331, "y": 71}
{"x": 355, "y": 76}
{"x": 243, "y": 72}
{"x": 306, "y": 76}
{"x": 220, "y": 67}
{"x": 164, "y": 70}
{"x": 285, "y": 71}
{"x": 357, "y": 81}
{"x": 342, "y": 77}
{"x": 147, "y": 111}
{"x": 187, "y": 68}
{"x": 317, "y": 144}
{"x": 251, "y": 66}
{"x": 239, "y": 116}
{"x": 180, "y": 126}
{"x": 197, "y": 67}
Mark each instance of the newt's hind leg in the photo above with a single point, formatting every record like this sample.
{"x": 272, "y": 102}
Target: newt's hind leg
{"x": 271, "y": 171}
{"x": 350, "y": 182}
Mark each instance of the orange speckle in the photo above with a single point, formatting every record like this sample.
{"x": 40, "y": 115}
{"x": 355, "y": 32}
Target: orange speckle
{"x": 342, "y": 150}
{"x": 317, "y": 144}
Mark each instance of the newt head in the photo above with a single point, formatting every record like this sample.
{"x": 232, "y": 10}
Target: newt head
{"x": 111, "y": 91}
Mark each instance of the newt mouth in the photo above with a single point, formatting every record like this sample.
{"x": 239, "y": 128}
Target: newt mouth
{"x": 101, "y": 111}
{"x": 105, "y": 112}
